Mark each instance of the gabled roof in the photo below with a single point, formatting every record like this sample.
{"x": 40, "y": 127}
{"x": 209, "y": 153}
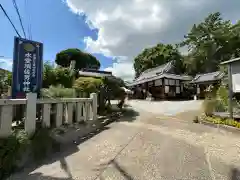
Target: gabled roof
{"x": 159, "y": 72}
{"x": 160, "y": 76}
{"x": 149, "y": 73}
{"x": 207, "y": 77}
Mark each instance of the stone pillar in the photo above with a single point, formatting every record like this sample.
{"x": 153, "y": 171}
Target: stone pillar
{"x": 59, "y": 114}
{"x": 69, "y": 113}
{"x": 46, "y": 115}
{"x": 93, "y": 96}
{"x": 79, "y": 108}
{"x": 30, "y": 120}
{"x": 6, "y": 120}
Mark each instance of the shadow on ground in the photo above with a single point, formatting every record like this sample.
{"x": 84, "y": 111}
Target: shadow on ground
{"x": 114, "y": 164}
{"x": 127, "y": 114}
{"x": 235, "y": 174}
{"x": 64, "y": 166}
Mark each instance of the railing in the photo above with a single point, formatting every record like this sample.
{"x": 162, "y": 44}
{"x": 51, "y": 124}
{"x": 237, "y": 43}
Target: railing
{"x": 49, "y": 112}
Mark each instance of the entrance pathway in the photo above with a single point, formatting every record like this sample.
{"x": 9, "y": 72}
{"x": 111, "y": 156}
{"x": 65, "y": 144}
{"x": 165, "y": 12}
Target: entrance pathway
{"x": 147, "y": 148}
{"x": 170, "y": 108}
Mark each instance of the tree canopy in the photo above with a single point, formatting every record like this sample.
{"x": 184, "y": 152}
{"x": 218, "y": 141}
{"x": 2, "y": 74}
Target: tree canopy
{"x": 83, "y": 60}
{"x": 158, "y": 55}
{"x": 5, "y": 80}
{"x": 56, "y": 76}
{"x": 210, "y": 42}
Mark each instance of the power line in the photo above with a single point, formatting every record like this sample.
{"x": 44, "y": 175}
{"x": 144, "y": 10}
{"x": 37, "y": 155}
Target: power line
{"x": 29, "y": 22}
{"x": 19, "y": 16}
{"x": 9, "y": 20}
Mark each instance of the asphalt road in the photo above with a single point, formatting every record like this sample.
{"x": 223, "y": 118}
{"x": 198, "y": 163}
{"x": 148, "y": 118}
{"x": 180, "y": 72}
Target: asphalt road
{"x": 144, "y": 146}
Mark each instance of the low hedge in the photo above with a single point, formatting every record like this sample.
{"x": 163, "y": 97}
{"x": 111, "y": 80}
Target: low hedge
{"x": 218, "y": 120}
{"x": 14, "y": 147}
{"x": 11, "y": 149}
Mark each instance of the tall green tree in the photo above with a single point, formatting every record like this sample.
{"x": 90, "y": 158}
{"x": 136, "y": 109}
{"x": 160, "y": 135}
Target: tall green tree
{"x": 56, "y": 76}
{"x": 83, "y": 60}
{"x": 49, "y": 77}
{"x": 107, "y": 88}
{"x": 210, "y": 42}
{"x": 5, "y": 80}
{"x": 158, "y": 55}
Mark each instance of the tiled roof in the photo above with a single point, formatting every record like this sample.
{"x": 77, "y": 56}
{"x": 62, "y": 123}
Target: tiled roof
{"x": 213, "y": 76}
{"x": 150, "y": 73}
{"x": 160, "y": 76}
{"x": 159, "y": 72}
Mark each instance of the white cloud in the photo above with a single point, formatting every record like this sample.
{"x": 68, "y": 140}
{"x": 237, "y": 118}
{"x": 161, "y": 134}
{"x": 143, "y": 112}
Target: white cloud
{"x": 122, "y": 69}
{"x": 127, "y": 26}
{"x": 6, "y": 64}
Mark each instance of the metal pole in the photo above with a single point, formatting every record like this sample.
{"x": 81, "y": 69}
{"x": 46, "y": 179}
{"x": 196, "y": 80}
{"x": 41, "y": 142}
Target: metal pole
{"x": 230, "y": 91}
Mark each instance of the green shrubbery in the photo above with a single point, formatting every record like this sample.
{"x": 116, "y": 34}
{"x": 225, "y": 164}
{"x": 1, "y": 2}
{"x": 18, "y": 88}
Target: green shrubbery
{"x": 209, "y": 106}
{"x": 14, "y": 147}
{"x": 88, "y": 85}
{"x": 216, "y": 100}
{"x": 54, "y": 76}
{"x": 218, "y": 120}
{"x": 11, "y": 149}
{"x": 57, "y": 92}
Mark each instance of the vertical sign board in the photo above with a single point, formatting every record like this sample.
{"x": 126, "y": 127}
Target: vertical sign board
{"x": 27, "y": 67}
{"x": 235, "y": 76}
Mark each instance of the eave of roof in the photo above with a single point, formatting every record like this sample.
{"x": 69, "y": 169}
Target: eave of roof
{"x": 150, "y": 73}
{"x": 93, "y": 74}
{"x": 209, "y": 77}
{"x": 230, "y": 61}
{"x": 163, "y": 75}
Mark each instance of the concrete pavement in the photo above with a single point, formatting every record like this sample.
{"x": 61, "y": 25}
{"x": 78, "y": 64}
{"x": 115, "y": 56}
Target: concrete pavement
{"x": 169, "y": 108}
{"x": 148, "y": 148}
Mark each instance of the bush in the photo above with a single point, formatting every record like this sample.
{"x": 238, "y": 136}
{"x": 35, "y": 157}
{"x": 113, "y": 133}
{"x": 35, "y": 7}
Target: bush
{"x": 209, "y": 106}
{"x": 222, "y": 99}
{"x": 14, "y": 147}
{"x": 87, "y": 84}
{"x": 11, "y": 150}
{"x": 58, "y": 92}
{"x": 55, "y": 76}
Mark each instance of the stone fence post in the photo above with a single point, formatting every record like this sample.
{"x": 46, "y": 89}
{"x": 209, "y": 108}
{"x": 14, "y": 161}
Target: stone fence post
{"x": 93, "y": 96}
{"x": 30, "y": 120}
{"x": 6, "y": 120}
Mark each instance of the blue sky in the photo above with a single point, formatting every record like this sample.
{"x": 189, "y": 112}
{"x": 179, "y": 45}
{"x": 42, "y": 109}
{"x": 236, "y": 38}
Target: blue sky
{"x": 52, "y": 23}
{"x": 123, "y": 28}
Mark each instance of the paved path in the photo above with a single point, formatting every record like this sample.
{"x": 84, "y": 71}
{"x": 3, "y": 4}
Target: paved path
{"x": 147, "y": 148}
{"x": 166, "y": 107}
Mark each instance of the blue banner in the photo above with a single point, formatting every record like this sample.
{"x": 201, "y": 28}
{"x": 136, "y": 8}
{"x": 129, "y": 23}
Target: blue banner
{"x": 27, "y": 67}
